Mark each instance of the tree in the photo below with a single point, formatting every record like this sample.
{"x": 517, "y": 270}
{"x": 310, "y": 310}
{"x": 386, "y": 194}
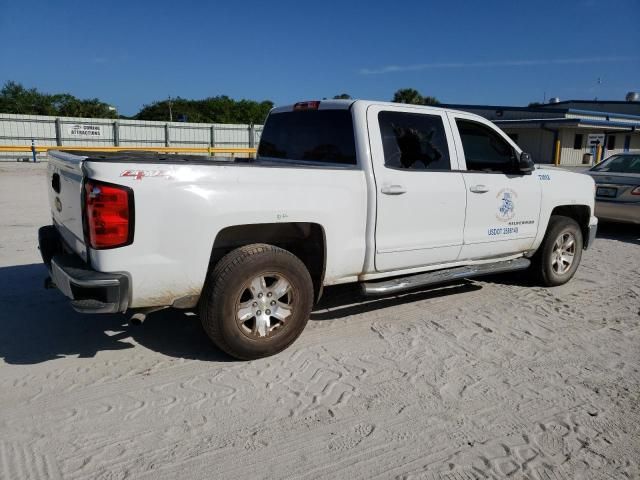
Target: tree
{"x": 407, "y": 95}
{"x": 14, "y": 98}
{"x": 430, "y": 101}
{"x": 342, "y": 96}
{"x": 220, "y": 109}
{"x": 413, "y": 97}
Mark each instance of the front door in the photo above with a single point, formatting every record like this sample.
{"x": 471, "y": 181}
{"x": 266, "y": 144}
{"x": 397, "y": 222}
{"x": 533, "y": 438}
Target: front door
{"x": 503, "y": 205}
{"x": 420, "y": 192}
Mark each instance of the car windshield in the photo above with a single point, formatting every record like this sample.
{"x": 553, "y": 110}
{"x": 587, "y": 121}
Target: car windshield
{"x": 619, "y": 164}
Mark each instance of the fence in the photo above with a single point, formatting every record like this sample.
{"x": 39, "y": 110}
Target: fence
{"x": 68, "y": 132}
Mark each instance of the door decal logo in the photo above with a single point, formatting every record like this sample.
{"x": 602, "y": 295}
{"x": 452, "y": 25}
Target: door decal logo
{"x": 506, "y": 204}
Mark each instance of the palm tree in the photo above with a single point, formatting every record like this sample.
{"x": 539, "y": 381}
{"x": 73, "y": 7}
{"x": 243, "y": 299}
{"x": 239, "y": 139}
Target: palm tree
{"x": 408, "y": 95}
{"x": 430, "y": 101}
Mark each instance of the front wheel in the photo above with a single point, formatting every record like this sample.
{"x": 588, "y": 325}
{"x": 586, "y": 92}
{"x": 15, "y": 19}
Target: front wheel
{"x": 558, "y": 257}
{"x": 256, "y": 301}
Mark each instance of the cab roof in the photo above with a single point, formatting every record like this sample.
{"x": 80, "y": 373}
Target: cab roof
{"x": 335, "y": 104}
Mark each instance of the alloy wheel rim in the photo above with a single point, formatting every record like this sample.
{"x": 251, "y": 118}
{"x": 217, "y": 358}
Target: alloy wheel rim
{"x": 264, "y": 305}
{"x": 563, "y": 254}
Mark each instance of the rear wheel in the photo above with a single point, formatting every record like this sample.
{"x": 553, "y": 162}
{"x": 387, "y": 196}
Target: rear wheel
{"x": 558, "y": 257}
{"x": 256, "y": 301}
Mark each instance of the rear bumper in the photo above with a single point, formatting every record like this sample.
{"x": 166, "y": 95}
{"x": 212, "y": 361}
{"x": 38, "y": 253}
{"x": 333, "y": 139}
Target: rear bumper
{"x": 90, "y": 291}
{"x": 628, "y": 212}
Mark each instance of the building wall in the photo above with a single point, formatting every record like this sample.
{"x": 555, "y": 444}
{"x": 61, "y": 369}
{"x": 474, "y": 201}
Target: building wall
{"x": 537, "y": 142}
{"x": 571, "y": 156}
{"x": 540, "y": 144}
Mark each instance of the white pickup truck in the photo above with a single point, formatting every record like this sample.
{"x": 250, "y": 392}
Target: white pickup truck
{"x": 389, "y": 195}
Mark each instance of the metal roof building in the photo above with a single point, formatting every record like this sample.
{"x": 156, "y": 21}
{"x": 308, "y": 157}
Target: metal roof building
{"x": 561, "y": 134}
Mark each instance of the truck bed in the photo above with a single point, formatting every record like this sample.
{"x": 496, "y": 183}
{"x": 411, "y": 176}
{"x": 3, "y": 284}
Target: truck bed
{"x": 137, "y": 156}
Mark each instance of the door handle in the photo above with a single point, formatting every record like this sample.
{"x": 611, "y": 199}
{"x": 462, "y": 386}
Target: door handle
{"x": 479, "y": 188}
{"x": 393, "y": 190}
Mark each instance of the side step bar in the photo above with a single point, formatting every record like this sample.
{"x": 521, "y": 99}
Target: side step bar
{"x": 385, "y": 287}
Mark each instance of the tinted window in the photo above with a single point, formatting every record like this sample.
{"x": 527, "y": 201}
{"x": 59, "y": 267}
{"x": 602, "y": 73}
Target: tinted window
{"x": 611, "y": 142}
{"x": 577, "y": 142}
{"x": 414, "y": 141}
{"x": 620, "y": 164}
{"x": 312, "y": 135}
{"x": 484, "y": 149}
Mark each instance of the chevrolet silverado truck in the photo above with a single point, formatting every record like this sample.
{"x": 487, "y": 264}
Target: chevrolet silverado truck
{"x": 391, "y": 196}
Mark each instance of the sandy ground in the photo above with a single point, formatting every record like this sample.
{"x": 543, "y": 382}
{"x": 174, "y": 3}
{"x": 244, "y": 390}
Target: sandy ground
{"x": 484, "y": 379}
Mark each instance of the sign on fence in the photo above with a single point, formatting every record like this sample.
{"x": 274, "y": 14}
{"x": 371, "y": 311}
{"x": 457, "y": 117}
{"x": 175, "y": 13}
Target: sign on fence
{"x": 86, "y": 131}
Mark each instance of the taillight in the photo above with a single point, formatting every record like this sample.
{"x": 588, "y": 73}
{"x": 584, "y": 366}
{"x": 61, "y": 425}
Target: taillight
{"x": 312, "y": 105}
{"x": 108, "y": 215}
{"x": 636, "y": 191}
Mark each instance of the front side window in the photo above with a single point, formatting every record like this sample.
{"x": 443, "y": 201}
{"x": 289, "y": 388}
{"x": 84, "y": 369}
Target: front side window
{"x": 322, "y": 136}
{"x": 484, "y": 149}
{"x": 414, "y": 141}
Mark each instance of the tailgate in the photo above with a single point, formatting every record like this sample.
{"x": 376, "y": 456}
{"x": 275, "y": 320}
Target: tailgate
{"x": 64, "y": 184}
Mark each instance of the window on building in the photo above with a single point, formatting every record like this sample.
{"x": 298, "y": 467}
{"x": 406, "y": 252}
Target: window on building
{"x": 611, "y": 142}
{"x": 577, "y": 141}
{"x": 414, "y": 141}
{"x": 485, "y": 150}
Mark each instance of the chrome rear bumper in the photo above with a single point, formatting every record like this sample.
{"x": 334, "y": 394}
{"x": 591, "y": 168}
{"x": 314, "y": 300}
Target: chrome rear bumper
{"x": 90, "y": 291}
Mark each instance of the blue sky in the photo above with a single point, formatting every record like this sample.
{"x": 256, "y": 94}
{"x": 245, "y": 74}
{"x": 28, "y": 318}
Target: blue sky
{"x": 498, "y": 52}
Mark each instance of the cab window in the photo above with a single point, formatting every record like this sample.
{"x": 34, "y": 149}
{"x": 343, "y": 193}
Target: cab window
{"x": 312, "y": 136}
{"x": 414, "y": 141}
{"x": 485, "y": 150}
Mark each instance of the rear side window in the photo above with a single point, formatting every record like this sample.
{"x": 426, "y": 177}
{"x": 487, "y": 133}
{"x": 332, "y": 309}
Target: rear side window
{"x": 414, "y": 141}
{"x": 323, "y": 136}
{"x": 484, "y": 149}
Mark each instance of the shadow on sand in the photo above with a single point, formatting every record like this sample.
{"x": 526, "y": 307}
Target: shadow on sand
{"x": 39, "y": 325}
{"x": 621, "y": 232}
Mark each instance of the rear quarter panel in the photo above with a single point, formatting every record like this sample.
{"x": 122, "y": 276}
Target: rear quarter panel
{"x": 179, "y": 210}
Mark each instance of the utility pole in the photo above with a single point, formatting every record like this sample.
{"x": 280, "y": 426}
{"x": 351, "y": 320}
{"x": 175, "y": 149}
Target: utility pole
{"x": 170, "y": 113}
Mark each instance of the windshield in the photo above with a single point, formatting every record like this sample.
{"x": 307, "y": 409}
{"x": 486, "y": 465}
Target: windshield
{"x": 619, "y": 164}
{"x": 323, "y": 136}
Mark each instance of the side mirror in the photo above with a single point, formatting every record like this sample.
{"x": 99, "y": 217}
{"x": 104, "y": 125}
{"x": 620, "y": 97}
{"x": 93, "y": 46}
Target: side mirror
{"x": 526, "y": 165}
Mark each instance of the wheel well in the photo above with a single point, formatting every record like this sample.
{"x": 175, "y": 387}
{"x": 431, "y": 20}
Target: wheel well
{"x": 580, "y": 213}
{"x": 305, "y": 240}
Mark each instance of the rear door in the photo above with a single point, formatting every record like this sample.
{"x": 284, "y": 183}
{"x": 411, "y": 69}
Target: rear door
{"x": 420, "y": 194}
{"x": 503, "y": 204}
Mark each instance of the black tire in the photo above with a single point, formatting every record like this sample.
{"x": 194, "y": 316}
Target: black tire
{"x": 545, "y": 261}
{"x": 231, "y": 280}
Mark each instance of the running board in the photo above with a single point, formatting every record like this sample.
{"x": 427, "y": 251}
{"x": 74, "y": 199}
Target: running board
{"x": 385, "y": 287}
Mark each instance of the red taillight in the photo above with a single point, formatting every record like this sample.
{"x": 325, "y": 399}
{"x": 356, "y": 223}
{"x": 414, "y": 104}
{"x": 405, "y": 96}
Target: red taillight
{"x": 108, "y": 215}
{"x": 312, "y": 105}
{"x": 636, "y": 191}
